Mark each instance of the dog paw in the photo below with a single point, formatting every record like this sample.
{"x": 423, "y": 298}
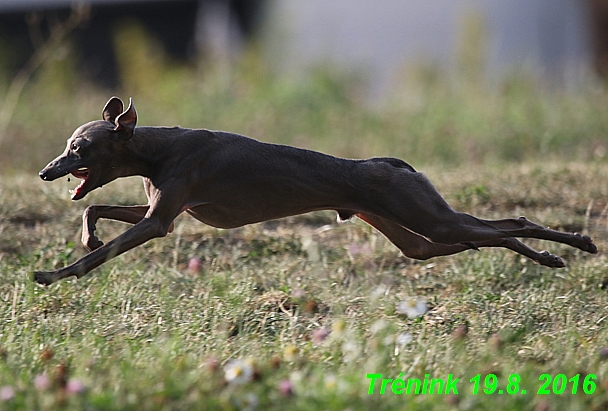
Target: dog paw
{"x": 550, "y": 260}
{"x": 44, "y": 277}
{"x": 585, "y": 243}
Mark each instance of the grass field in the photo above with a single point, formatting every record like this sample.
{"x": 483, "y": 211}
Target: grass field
{"x": 146, "y": 332}
{"x": 303, "y": 313}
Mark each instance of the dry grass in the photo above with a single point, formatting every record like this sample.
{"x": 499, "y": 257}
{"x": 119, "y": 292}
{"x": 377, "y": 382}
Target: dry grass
{"x": 144, "y": 332}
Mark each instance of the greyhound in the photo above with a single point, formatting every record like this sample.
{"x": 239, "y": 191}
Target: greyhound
{"x": 228, "y": 180}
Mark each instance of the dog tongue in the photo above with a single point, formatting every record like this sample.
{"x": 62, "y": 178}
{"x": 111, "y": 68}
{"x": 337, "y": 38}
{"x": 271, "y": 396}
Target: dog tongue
{"x": 82, "y": 173}
{"x": 77, "y": 190}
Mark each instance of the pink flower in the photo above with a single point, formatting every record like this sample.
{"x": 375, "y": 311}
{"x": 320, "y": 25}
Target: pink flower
{"x": 298, "y": 293}
{"x": 355, "y": 250}
{"x": 194, "y": 265}
{"x": 7, "y": 393}
{"x": 211, "y": 363}
{"x": 74, "y": 387}
{"x": 286, "y": 387}
{"x": 42, "y": 382}
{"x": 319, "y": 335}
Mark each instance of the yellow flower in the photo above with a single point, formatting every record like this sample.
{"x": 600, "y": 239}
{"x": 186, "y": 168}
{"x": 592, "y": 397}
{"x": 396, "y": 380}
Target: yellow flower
{"x": 290, "y": 353}
{"x": 338, "y": 328}
{"x": 331, "y": 382}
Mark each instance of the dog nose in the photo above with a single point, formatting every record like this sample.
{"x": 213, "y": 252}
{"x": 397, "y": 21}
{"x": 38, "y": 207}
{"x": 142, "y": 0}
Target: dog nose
{"x": 43, "y": 174}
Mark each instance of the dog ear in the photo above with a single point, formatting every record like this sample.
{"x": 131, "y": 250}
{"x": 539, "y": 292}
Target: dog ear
{"x": 112, "y": 109}
{"x": 127, "y": 120}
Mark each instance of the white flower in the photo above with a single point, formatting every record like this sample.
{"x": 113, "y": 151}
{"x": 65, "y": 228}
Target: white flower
{"x": 350, "y": 350}
{"x": 378, "y": 326}
{"x": 401, "y": 341}
{"x": 380, "y": 291}
{"x": 248, "y": 402}
{"x": 238, "y": 371}
{"x": 412, "y": 307}
{"x": 404, "y": 339}
{"x": 389, "y": 340}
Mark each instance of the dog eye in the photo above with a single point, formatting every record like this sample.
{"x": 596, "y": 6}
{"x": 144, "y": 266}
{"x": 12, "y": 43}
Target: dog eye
{"x": 75, "y": 147}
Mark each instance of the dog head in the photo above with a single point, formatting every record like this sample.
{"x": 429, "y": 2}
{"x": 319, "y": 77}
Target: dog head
{"x": 94, "y": 152}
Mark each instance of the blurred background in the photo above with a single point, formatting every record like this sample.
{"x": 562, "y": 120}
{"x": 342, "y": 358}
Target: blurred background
{"x": 434, "y": 81}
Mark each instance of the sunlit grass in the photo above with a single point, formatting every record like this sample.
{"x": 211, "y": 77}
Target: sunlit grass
{"x": 294, "y": 314}
{"x": 145, "y": 331}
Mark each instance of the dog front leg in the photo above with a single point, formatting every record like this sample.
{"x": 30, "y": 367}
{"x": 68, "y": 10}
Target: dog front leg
{"x": 126, "y": 214}
{"x": 144, "y": 230}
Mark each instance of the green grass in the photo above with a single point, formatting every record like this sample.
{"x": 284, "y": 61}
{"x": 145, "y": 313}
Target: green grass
{"x": 143, "y": 332}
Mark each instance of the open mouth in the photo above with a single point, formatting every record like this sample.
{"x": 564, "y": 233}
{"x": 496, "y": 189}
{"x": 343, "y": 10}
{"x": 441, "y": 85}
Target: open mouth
{"x": 82, "y": 173}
